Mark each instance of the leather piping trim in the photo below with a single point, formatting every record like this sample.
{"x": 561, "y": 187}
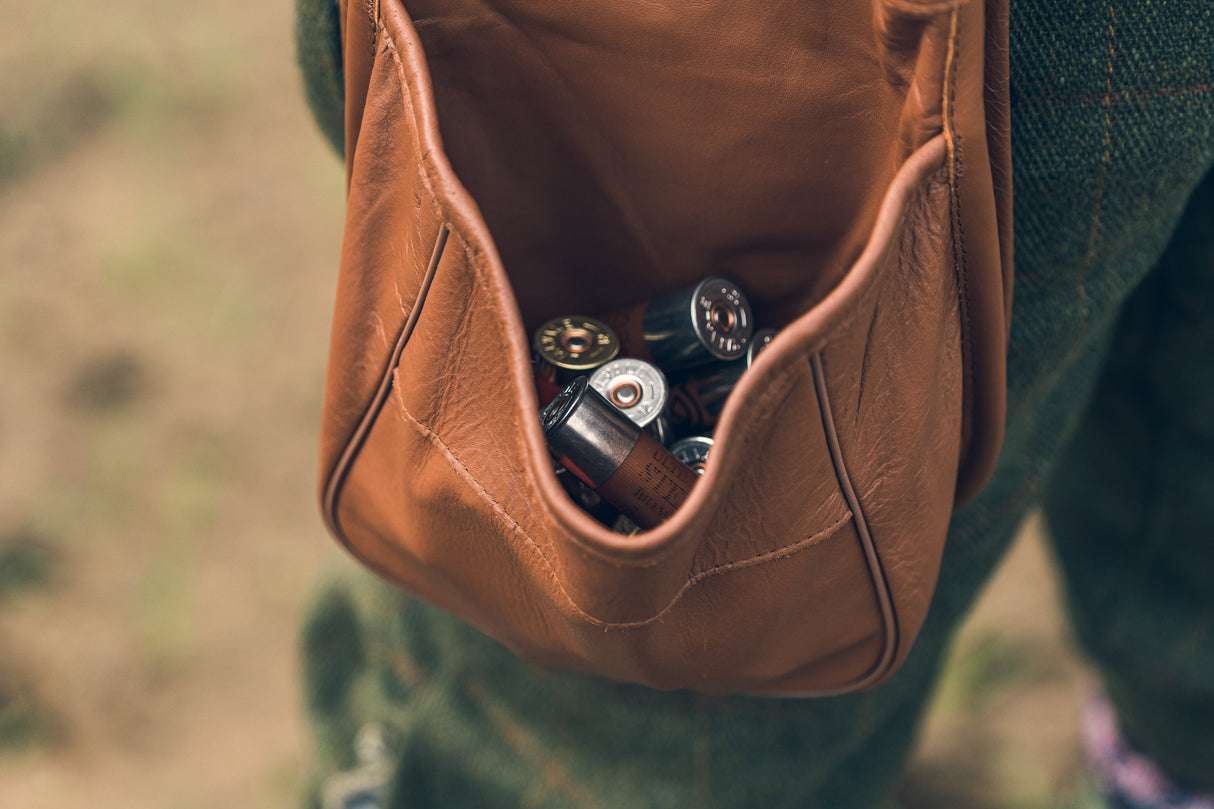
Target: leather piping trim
{"x": 880, "y": 585}
{"x": 337, "y": 477}
{"x": 952, "y": 142}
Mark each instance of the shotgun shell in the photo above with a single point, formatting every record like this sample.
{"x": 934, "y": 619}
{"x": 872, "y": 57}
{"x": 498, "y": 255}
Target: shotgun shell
{"x": 693, "y": 451}
{"x": 758, "y": 342}
{"x": 697, "y": 400}
{"x": 625, "y": 465}
{"x": 568, "y": 347}
{"x": 638, "y": 389}
{"x": 707, "y": 322}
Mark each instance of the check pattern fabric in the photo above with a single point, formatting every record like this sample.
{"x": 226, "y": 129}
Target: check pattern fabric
{"x": 1110, "y": 428}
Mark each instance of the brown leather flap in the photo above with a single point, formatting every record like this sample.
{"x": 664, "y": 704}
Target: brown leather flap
{"x": 845, "y": 163}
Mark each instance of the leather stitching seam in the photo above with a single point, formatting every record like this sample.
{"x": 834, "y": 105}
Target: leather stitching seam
{"x": 771, "y": 398}
{"x": 469, "y": 246}
{"x": 353, "y": 446}
{"x": 470, "y": 249}
{"x": 463, "y": 471}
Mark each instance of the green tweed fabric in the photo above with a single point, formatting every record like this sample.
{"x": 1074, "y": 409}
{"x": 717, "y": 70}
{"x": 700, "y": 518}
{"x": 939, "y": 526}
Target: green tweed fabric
{"x": 1134, "y": 498}
{"x": 1112, "y": 113}
{"x": 318, "y": 45}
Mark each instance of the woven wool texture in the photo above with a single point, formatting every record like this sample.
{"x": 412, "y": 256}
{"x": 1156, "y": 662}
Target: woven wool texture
{"x": 1111, "y": 117}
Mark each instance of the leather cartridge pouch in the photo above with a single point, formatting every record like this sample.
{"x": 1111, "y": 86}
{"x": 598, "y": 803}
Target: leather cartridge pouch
{"x": 844, "y": 161}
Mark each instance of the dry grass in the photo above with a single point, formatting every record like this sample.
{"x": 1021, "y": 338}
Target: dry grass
{"x": 169, "y": 229}
{"x": 169, "y": 225}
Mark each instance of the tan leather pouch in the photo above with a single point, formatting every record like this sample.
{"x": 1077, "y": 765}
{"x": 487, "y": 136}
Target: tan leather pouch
{"x": 846, "y": 163}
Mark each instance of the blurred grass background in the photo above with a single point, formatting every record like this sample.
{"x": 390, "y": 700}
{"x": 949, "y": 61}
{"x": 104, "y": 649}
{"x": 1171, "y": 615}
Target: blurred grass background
{"x": 170, "y": 222}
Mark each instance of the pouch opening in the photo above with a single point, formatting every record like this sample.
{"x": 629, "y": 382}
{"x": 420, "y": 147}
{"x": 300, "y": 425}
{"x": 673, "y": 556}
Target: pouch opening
{"x": 620, "y": 151}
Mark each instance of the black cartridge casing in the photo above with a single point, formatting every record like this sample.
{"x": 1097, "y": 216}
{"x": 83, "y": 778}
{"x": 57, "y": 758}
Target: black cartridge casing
{"x": 697, "y": 399}
{"x": 705, "y": 323}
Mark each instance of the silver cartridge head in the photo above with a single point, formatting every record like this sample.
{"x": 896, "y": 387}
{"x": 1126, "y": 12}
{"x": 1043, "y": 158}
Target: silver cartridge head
{"x": 758, "y": 342}
{"x": 722, "y": 317}
{"x": 639, "y": 390}
{"x": 634, "y": 386}
{"x": 693, "y": 451}
{"x": 710, "y": 321}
